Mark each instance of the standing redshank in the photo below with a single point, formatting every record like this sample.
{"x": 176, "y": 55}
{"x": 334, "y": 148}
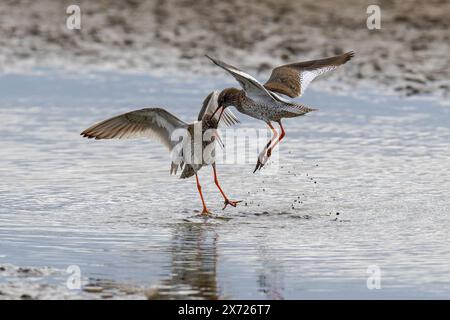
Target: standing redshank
{"x": 263, "y": 102}
{"x": 159, "y": 124}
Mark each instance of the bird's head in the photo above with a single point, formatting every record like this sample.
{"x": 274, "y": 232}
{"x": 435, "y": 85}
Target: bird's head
{"x": 228, "y": 97}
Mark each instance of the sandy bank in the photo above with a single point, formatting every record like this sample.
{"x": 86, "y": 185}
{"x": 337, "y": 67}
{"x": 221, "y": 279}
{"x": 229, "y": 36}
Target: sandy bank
{"x": 409, "y": 54}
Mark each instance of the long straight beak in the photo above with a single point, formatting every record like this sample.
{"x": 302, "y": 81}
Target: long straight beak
{"x": 219, "y": 139}
{"x": 220, "y": 115}
{"x": 217, "y": 109}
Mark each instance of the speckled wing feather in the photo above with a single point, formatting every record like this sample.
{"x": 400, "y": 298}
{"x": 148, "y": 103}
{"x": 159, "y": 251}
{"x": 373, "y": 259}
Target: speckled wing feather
{"x": 210, "y": 105}
{"x": 292, "y": 79}
{"x": 155, "y": 123}
{"x": 251, "y": 86}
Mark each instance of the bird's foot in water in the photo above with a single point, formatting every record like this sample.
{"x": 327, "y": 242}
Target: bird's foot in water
{"x": 231, "y": 203}
{"x": 205, "y": 212}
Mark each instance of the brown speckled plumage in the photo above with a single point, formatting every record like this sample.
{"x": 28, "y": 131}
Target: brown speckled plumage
{"x": 262, "y": 110}
{"x": 263, "y": 102}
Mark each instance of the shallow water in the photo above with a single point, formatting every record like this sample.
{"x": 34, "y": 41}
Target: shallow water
{"x": 360, "y": 183}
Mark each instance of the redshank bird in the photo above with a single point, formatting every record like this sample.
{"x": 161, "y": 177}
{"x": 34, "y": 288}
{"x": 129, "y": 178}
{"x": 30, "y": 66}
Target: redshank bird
{"x": 263, "y": 102}
{"x": 161, "y": 125}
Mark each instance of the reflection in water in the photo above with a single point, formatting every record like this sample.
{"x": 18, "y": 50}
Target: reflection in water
{"x": 270, "y": 280}
{"x": 193, "y": 267}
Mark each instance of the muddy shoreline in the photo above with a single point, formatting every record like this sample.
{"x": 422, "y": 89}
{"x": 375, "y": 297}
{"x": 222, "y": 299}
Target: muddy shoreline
{"x": 407, "y": 56}
{"x": 42, "y": 283}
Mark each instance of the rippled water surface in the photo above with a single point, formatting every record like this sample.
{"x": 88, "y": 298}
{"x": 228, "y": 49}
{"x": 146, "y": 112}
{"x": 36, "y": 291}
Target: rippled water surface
{"x": 362, "y": 183}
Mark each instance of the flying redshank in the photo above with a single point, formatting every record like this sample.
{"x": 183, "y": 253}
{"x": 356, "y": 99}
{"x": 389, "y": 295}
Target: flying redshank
{"x": 159, "y": 124}
{"x": 263, "y": 102}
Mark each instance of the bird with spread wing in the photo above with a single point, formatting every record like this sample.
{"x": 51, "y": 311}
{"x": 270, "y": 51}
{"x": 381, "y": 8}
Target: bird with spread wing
{"x": 161, "y": 125}
{"x": 269, "y": 102}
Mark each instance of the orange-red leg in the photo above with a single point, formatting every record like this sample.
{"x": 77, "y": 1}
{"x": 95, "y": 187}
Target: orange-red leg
{"x": 199, "y": 187}
{"x": 274, "y": 136}
{"x": 226, "y": 200}
{"x": 282, "y": 134}
{"x": 264, "y": 155}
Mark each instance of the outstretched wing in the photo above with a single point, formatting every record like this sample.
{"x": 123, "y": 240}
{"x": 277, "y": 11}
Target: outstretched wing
{"x": 155, "y": 123}
{"x": 210, "y": 105}
{"x": 251, "y": 86}
{"x": 292, "y": 79}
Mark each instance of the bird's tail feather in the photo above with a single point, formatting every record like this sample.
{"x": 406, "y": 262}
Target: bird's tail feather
{"x": 299, "y": 109}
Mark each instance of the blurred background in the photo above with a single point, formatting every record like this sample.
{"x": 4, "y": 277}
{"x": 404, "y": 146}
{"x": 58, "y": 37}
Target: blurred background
{"x": 408, "y": 55}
